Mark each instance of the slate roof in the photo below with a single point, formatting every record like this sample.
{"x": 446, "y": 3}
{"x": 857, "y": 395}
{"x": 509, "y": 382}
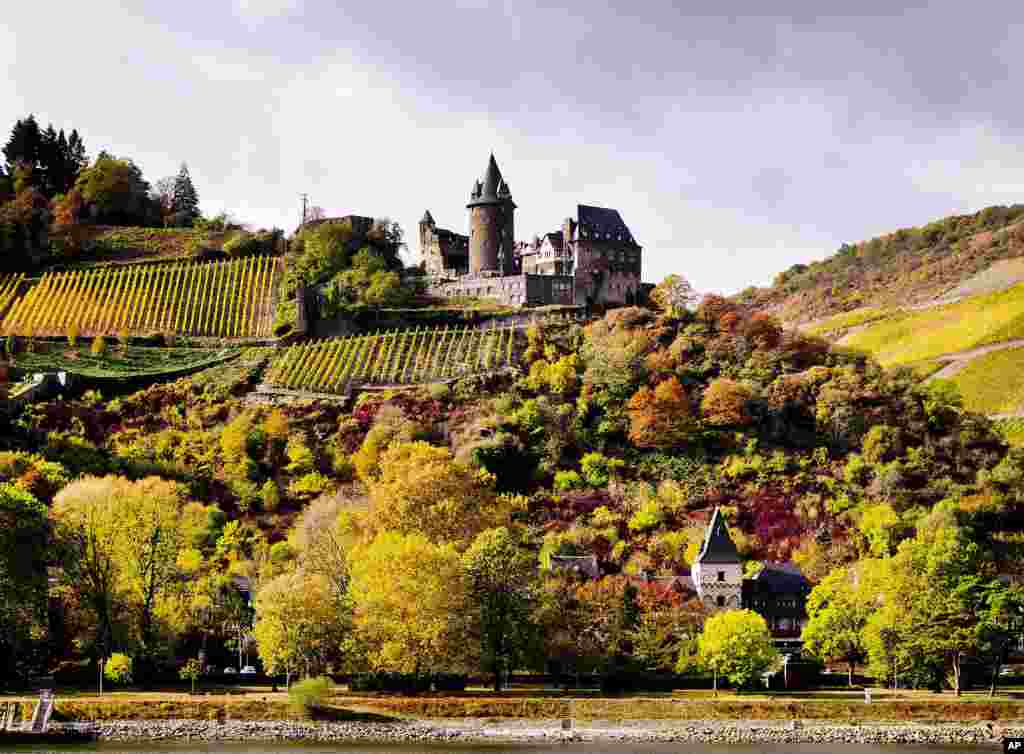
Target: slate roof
{"x": 718, "y": 546}
{"x": 555, "y": 239}
{"x": 598, "y": 222}
{"x": 493, "y": 189}
{"x": 582, "y": 564}
{"x": 427, "y": 218}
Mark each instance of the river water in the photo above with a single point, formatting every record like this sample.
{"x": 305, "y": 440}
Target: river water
{"x": 577, "y": 748}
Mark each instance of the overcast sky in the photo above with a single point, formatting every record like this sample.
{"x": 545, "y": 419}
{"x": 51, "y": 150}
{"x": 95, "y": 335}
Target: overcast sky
{"x": 735, "y": 141}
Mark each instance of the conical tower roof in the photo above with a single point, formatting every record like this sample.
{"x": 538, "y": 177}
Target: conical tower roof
{"x": 492, "y": 189}
{"x": 428, "y": 219}
{"x": 718, "y": 546}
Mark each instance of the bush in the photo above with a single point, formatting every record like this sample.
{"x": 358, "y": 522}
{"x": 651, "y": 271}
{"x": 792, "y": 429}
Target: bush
{"x": 311, "y": 694}
{"x": 568, "y": 480}
{"x": 439, "y": 391}
{"x": 99, "y": 346}
{"x": 118, "y": 668}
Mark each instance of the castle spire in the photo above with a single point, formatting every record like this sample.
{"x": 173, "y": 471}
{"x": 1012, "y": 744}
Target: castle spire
{"x": 428, "y": 219}
{"x": 718, "y": 546}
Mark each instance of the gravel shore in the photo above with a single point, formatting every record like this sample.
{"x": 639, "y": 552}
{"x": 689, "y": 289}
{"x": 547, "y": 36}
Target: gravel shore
{"x": 477, "y": 731}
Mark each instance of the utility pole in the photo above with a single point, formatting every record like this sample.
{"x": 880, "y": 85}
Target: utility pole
{"x": 305, "y": 201}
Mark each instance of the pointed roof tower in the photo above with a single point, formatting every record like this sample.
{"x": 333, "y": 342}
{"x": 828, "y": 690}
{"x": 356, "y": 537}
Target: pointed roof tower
{"x": 718, "y": 546}
{"x": 428, "y": 219}
{"x": 492, "y": 189}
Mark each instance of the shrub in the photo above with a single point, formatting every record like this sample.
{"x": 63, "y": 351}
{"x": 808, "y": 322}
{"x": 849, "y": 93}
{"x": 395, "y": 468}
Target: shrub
{"x": 598, "y": 469}
{"x": 439, "y": 391}
{"x": 99, "y": 346}
{"x": 311, "y": 693}
{"x": 568, "y": 480}
{"x": 118, "y": 668}
{"x": 73, "y": 335}
{"x": 270, "y": 496}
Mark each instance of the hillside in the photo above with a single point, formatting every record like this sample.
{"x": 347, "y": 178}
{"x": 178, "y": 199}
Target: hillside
{"x": 84, "y": 245}
{"x": 909, "y": 267}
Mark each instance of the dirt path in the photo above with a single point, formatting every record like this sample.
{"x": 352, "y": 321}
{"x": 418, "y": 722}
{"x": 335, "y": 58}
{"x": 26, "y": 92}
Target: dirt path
{"x": 960, "y": 359}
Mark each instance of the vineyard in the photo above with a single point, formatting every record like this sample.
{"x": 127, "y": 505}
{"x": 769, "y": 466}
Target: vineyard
{"x": 397, "y": 358}
{"x": 232, "y": 299}
{"x": 9, "y": 285}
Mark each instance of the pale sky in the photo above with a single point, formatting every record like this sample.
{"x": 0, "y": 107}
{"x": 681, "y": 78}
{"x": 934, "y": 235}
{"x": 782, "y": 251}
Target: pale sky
{"x": 735, "y": 140}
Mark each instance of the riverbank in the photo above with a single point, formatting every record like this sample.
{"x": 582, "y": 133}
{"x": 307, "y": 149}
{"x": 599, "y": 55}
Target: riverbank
{"x": 764, "y": 732}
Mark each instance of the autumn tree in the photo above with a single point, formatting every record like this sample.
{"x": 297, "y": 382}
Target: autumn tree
{"x": 500, "y": 575}
{"x": 738, "y": 645}
{"x": 422, "y": 488}
{"x": 725, "y": 403}
{"x": 113, "y": 191}
{"x": 121, "y": 541}
{"x": 23, "y": 583}
{"x": 410, "y": 600}
{"x": 300, "y": 624}
{"x": 838, "y": 610}
{"x": 662, "y": 417}
{"x": 674, "y": 295}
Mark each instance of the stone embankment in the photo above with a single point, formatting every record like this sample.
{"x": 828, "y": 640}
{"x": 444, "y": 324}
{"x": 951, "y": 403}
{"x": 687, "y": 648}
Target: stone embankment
{"x": 477, "y": 731}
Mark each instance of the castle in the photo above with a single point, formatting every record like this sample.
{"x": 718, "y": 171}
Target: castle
{"x": 592, "y": 259}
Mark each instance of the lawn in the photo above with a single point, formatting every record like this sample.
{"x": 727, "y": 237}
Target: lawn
{"x": 913, "y": 336}
{"x": 529, "y": 704}
{"x": 993, "y": 383}
{"x": 133, "y": 361}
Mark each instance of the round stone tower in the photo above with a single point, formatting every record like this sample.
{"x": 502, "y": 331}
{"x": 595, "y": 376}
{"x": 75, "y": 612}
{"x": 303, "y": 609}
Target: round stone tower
{"x": 491, "y": 225}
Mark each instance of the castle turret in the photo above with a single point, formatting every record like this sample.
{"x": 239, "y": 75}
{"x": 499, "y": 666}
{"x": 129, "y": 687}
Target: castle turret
{"x": 717, "y": 572}
{"x": 491, "y": 224}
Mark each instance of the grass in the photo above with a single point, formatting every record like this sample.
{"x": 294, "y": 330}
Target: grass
{"x": 993, "y": 383}
{"x": 840, "y": 323}
{"x": 913, "y": 336}
{"x": 133, "y": 361}
{"x": 528, "y": 704}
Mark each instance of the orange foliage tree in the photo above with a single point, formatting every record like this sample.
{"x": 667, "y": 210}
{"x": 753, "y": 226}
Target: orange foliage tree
{"x": 662, "y": 417}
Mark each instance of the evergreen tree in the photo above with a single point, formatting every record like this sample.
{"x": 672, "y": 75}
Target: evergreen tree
{"x": 185, "y": 202}
{"x": 77, "y": 160}
{"x": 49, "y": 176}
{"x": 23, "y": 144}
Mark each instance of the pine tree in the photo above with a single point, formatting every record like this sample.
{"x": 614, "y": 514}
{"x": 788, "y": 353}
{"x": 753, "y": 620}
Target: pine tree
{"x": 77, "y": 160}
{"x": 23, "y": 144}
{"x": 185, "y": 204}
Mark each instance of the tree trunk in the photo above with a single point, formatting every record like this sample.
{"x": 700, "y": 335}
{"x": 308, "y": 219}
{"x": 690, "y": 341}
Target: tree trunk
{"x": 956, "y": 673}
{"x": 995, "y": 676}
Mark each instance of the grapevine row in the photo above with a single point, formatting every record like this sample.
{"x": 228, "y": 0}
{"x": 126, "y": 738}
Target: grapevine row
{"x": 392, "y": 358}
{"x": 230, "y": 299}
{"x": 9, "y": 285}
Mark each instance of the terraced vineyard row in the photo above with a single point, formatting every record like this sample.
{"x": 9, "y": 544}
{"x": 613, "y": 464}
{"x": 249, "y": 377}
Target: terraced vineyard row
{"x": 397, "y": 358}
{"x": 9, "y": 285}
{"x": 232, "y": 299}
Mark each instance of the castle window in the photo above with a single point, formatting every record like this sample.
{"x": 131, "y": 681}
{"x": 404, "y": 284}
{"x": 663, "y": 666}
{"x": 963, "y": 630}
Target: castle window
{"x": 721, "y": 575}
{"x": 720, "y": 600}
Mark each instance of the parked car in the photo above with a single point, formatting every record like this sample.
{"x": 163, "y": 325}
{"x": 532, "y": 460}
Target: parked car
{"x": 248, "y": 670}
{"x": 230, "y": 670}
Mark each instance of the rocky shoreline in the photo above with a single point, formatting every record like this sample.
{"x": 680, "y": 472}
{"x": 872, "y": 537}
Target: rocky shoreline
{"x": 532, "y": 731}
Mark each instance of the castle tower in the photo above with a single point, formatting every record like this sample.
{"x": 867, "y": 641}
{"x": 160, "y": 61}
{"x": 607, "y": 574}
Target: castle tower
{"x": 717, "y": 572}
{"x": 491, "y": 226}
{"x": 427, "y": 226}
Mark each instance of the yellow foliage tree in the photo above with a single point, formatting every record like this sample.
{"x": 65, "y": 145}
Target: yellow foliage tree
{"x": 410, "y": 598}
{"x": 422, "y": 488}
{"x": 300, "y": 624}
